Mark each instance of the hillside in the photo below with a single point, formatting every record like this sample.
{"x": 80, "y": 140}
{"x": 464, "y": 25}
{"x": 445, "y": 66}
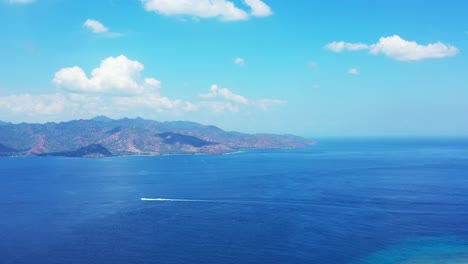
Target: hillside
{"x": 102, "y": 136}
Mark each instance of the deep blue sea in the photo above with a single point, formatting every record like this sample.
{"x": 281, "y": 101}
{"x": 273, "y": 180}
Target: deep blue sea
{"x": 356, "y": 201}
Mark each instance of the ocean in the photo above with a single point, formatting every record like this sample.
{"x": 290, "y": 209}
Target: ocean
{"x": 356, "y": 201}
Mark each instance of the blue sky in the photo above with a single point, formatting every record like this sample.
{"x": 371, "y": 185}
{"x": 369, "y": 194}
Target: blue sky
{"x": 312, "y": 68}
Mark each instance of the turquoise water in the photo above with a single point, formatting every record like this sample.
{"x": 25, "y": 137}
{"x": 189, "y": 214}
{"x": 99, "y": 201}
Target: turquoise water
{"x": 423, "y": 251}
{"x": 342, "y": 201}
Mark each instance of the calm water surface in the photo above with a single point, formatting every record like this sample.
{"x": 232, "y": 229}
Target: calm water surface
{"x": 342, "y": 201}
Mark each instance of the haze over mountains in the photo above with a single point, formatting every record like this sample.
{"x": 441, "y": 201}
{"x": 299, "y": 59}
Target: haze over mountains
{"x": 102, "y": 136}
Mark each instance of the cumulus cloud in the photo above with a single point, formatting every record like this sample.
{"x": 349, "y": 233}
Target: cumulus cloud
{"x": 399, "y": 49}
{"x": 120, "y": 80}
{"x": 224, "y": 93}
{"x": 117, "y": 89}
{"x": 27, "y": 104}
{"x": 258, "y": 8}
{"x": 56, "y": 106}
{"x": 224, "y": 99}
{"x": 72, "y": 105}
{"x": 98, "y": 28}
{"x": 239, "y": 61}
{"x": 152, "y": 101}
{"x": 353, "y": 71}
{"x": 227, "y": 94}
{"x": 114, "y": 75}
{"x": 95, "y": 26}
{"x": 212, "y": 94}
{"x": 223, "y": 9}
{"x": 20, "y": 1}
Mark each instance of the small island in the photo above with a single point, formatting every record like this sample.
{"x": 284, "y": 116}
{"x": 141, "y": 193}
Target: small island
{"x": 105, "y": 137}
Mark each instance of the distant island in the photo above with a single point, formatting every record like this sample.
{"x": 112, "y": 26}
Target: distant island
{"x": 105, "y": 137}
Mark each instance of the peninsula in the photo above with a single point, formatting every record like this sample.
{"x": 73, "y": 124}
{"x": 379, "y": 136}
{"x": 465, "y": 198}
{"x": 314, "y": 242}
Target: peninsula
{"x": 103, "y": 137}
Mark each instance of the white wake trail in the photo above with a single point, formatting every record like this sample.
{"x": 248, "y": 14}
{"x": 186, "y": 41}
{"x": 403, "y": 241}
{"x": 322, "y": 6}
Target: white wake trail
{"x": 174, "y": 200}
{"x": 256, "y": 202}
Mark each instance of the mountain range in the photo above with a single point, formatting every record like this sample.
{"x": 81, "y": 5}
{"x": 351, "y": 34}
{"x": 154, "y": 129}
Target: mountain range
{"x": 102, "y": 137}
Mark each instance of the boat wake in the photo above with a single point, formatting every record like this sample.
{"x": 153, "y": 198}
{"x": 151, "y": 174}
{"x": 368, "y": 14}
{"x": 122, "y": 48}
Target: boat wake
{"x": 238, "y": 201}
{"x": 174, "y": 200}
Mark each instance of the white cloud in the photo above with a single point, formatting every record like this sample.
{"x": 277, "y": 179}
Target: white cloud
{"x": 95, "y": 26}
{"x": 220, "y": 106}
{"x": 46, "y": 104}
{"x": 399, "y": 49}
{"x": 150, "y": 101}
{"x": 223, "y": 9}
{"x": 98, "y": 28}
{"x": 56, "y": 107}
{"x": 212, "y": 94}
{"x": 353, "y": 71}
{"x": 224, "y": 99}
{"x": 224, "y": 93}
{"x": 340, "y": 46}
{"x": 152, "y": 82}
{"x": 117, "y": 89}
{"x": 114, "y": 76}
{"x": 20, "y": 1}
{"x": 258, "y": 8}
{"x": 190, "y": 107}
{"x": 227, "y": 94}
{"x": 239, "y": 61}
